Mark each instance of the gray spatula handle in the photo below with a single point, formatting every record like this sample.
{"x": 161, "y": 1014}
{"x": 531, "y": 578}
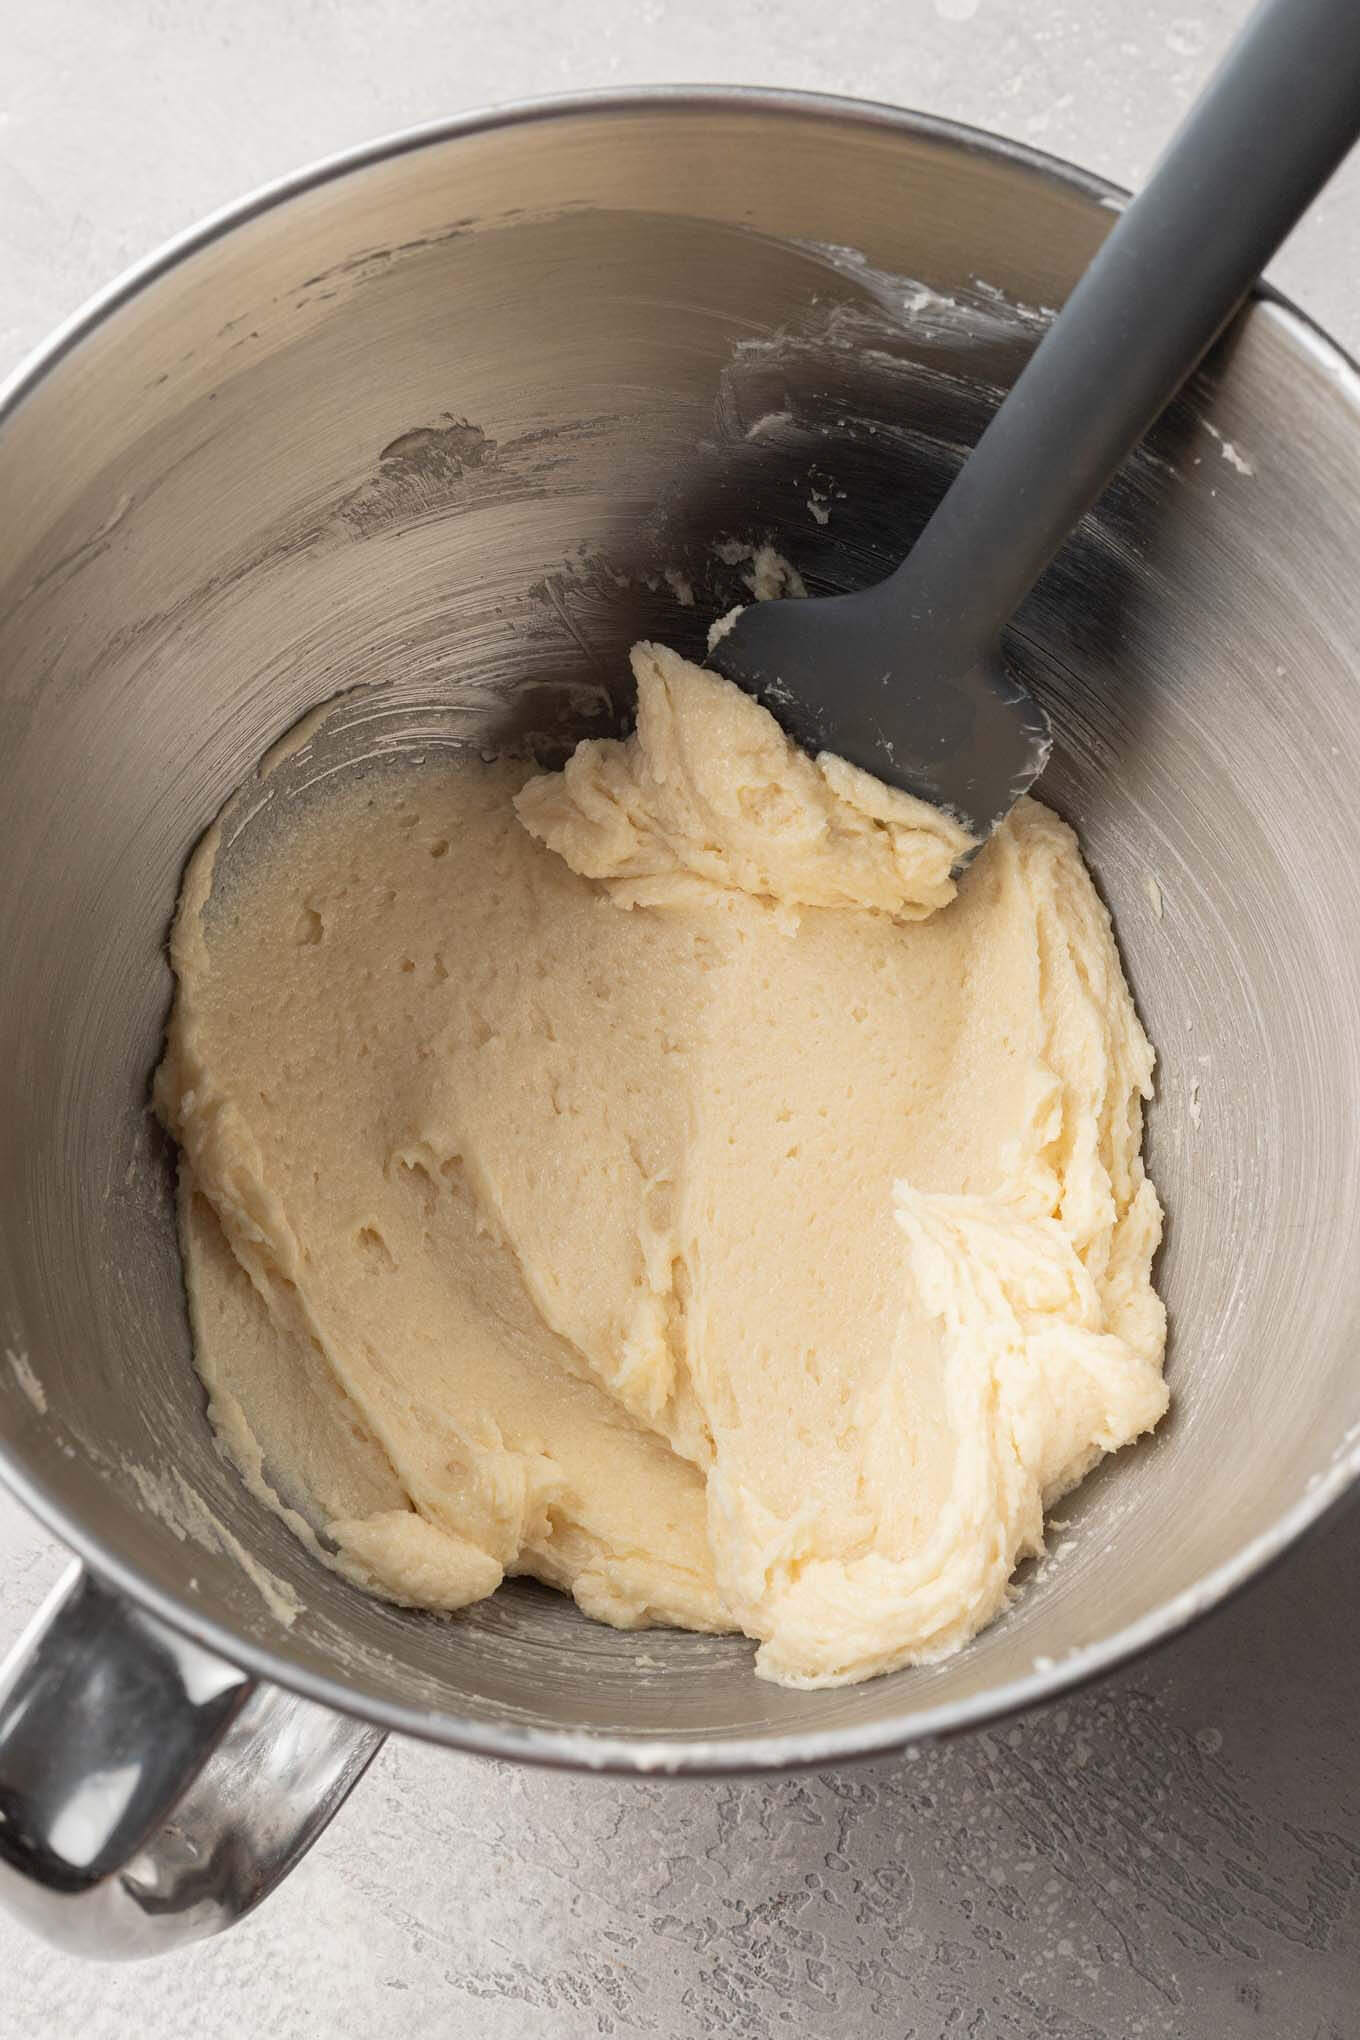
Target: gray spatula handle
{"x": 1275, "y": 121}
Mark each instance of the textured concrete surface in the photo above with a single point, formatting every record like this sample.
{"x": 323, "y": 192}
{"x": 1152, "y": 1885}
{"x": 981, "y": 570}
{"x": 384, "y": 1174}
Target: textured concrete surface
{"x": 1177, "y": 1852}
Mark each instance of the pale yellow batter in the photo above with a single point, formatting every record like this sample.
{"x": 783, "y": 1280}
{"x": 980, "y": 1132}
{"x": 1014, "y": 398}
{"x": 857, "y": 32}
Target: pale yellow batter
{"x": 651, "y": 1178}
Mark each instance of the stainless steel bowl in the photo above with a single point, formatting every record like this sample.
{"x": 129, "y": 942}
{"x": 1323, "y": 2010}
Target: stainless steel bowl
{"x": 434, "y": 420}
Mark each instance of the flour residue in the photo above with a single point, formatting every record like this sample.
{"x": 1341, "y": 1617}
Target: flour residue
{"x": 173, "y": 1502}
{"x": 21, "y": 1367}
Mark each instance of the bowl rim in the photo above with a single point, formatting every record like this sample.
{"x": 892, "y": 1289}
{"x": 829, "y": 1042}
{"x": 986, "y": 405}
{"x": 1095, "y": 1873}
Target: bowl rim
{"x": 587, "y": 1750}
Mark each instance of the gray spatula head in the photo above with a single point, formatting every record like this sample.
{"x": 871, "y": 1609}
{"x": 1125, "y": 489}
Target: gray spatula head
{"x": 840, "y": 675}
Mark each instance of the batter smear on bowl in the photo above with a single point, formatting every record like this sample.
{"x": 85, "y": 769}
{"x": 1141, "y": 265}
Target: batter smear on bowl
{"x": 659, "y": 1177}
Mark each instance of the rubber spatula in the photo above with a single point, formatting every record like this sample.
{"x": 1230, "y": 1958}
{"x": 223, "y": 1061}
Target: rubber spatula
{"x": 908, "y": 678}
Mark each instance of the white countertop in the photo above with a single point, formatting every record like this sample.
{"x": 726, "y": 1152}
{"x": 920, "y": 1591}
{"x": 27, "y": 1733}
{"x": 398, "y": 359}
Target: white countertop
{"x": 1174, "y": 1853}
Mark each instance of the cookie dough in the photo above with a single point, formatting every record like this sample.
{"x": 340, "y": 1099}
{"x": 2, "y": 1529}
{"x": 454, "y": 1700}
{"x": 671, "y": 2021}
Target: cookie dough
{"x": 653, "y": 1178}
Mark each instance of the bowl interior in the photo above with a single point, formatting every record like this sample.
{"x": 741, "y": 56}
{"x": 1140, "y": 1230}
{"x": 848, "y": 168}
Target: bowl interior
{"x": 451, "y": 429}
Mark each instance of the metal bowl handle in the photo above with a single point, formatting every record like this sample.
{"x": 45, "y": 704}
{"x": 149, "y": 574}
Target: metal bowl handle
{"x": 151, "y": 1793}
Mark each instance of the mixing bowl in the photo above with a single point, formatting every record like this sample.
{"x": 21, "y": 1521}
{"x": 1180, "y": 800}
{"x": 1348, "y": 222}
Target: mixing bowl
{"x": 448, "y": 423}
